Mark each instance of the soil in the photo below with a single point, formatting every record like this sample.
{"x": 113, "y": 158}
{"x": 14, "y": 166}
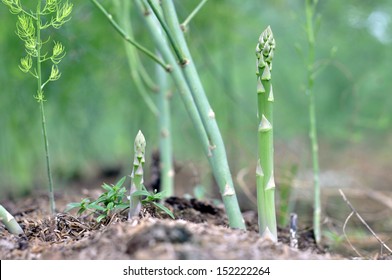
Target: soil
{"x": 200, "y": 231}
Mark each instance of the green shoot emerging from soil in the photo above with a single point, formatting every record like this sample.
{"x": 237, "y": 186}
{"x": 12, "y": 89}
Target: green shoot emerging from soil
{"x": 114, "y": 200}
{"x": 29, "y": 27}
{"x": 265, "y": 166}
{"x": 111, "y": 201}
{"x": 9, "y": 221}
{"x": 137, "y": 174}
{"x": 153, "y": 198}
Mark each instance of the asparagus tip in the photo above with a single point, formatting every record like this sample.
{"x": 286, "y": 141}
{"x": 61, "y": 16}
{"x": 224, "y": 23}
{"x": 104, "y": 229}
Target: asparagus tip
{"x": 140, "y": 144}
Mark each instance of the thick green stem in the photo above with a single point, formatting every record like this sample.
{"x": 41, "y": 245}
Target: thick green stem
{"x": 309, "y": 8}
{"x": 9, "y": 221}
{"x": 41, "y": 100}
{"x": 217, "y": 151}
{"x": 165, "y": 142}
{"x": 265, "y": 167}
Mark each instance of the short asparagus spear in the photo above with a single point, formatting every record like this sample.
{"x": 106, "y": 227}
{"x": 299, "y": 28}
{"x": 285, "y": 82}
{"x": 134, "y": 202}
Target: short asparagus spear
{"x": 9, "y": 221}
{"x": 265, "y": 167}
{"x": 137, "y": 174}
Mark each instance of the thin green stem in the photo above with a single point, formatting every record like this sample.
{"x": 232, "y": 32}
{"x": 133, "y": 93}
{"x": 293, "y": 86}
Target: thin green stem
{"x": 145, "y": 76}
{"x": 193, "y": 14}
{"x": 309, "y": 8}
{"x": 123, "y": 12}
{"x": 217, "y": 151}
{"x": 165, "y": 137}
{"x": 178, "y": 78}
{"x": 41, "y": 101}
{"x": 168, "y": 31}
{"x": 129, "y": 39}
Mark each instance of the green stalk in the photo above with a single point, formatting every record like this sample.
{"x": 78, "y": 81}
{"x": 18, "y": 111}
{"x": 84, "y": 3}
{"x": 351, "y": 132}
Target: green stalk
{"x": 265, "y": 166}
{"x": 9, "y": 221}
{"x": 41, "y": 100}
{"x": 29, "y": 26}
{"x": 123, "y": 13}
{"x": 185, "y": 94}
{"x": 137, "y": 174}
{"x": 216, "y": 148}
{"x": 165, "y": 142}
{"x": 185, "y": 23}
{"x": 309, "y": 9}
{"x": 129, "y": 39}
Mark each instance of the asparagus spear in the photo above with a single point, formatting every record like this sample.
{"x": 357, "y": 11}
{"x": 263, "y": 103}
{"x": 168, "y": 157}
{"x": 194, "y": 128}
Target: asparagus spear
{"x": 137, "y": 174}
{"x": 9, "y": 221}
{"x": 265, "y": 168}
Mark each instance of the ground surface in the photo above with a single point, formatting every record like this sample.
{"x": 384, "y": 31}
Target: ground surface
{"x": 199, "y": 232}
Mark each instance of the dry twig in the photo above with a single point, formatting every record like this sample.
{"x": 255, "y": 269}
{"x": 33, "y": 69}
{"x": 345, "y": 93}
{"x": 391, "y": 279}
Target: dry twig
{"x": 353, "y": 211}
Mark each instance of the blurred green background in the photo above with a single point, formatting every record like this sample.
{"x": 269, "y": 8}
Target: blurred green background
{"x": 94, "y": 112}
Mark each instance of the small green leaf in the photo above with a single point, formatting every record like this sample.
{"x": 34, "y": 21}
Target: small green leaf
{"x": 72, "y": 205}
{"x": 110, "y": 206}
{"x": 121, "y": 182}
{"x": 121, "y": 206}
{"x": 164, "y": 209}
{"x": 140, "y": 193}
{"x": 101, "y": 217}
{"x": 81, "y": 211}
{"x": 96, "y": 207}
{"x": 107, "y": 187}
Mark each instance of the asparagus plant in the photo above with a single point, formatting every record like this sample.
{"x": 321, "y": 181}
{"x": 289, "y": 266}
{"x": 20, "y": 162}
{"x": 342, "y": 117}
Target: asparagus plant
{"x": 137, "y": 174}
{"x": 212, "y": 145}
{"x": 114, "y": 200}
{"x": 30, "y": 25}
{"x": 9, "y": 221}
{"x": 265, "y": 165}
{"x": 216, "y": 149}
{"x": 310, "y": 7}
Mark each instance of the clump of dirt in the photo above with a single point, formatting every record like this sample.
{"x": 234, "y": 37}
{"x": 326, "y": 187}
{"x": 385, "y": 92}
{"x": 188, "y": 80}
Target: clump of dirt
{"x": 200, "y": 231}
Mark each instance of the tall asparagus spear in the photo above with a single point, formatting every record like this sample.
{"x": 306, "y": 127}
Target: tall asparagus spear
{"x": 265, "y": 167}
{"x": 137, "y": 174}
